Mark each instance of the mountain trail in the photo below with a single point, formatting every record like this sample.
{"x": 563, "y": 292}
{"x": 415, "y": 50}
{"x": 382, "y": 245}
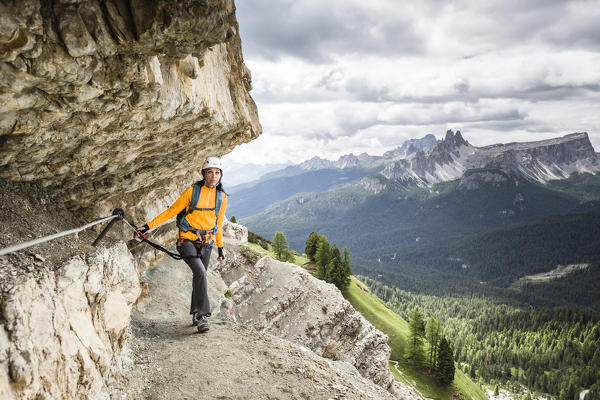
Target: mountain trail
{"x": 231, "y": 361}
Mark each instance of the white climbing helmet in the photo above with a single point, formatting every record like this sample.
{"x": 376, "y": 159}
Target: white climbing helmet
{"x": 212, "y": 162}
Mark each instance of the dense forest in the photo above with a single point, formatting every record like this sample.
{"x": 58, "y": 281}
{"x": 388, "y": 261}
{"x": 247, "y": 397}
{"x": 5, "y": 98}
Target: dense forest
{"x": 491, "y": 263}
{"x": 503, "y": 254}
{"x": 550, "y": 351}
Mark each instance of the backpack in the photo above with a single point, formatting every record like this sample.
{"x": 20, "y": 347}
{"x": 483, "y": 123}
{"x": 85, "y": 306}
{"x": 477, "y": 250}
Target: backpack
{"x": 182, "y": 222}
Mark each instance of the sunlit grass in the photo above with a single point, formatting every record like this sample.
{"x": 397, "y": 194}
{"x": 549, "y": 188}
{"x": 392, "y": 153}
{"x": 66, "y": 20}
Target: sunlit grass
{"x": 397, "y": 330}
{"x": 300, "y": 259}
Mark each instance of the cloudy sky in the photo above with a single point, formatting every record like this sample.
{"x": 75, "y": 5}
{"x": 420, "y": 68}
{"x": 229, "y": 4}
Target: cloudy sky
{"x": 350, "y": 76}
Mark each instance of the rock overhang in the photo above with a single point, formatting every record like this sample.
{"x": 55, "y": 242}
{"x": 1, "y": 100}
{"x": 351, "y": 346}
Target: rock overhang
{"x": 116, "y": 103}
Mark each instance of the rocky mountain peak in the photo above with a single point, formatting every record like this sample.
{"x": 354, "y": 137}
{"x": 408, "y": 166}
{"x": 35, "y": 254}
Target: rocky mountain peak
{"x": 405, "y": 171}
{"x": 539, "y": 161}
{"x": 411, "y": 146}
{"x": 347, "y": 160}
{"x": 441, "y": 163}
{"x": 545, "y": 160}
{"x": 316, "y": 163}
{"x": 451, "y": 142}
{"x": 350, "y": 160}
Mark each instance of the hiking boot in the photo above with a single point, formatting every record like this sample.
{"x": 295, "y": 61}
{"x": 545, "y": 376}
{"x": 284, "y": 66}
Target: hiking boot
{"x": 195, "y": 319}
{"x": 202, "y": 324}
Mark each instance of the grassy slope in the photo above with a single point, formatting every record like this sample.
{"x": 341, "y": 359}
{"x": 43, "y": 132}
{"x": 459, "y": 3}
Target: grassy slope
{"x": 300, "y": 260}
{"x": 384, "y": 319}
{"x": 376, "y": 312}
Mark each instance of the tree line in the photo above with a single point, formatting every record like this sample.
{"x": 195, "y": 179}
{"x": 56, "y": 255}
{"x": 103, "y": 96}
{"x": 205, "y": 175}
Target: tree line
{"x": 332, "y": 266}
{"x": 552, "y": 351}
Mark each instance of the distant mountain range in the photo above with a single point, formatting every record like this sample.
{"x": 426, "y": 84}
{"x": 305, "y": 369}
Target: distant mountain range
{"x": 412, "y": 212}
{"x": 406, "y": 150}
{"x": 236, "y": 173}
{"x": 540, "y": 161}
{"x": 315, "y": 175}
{"x": 423, "y": 162}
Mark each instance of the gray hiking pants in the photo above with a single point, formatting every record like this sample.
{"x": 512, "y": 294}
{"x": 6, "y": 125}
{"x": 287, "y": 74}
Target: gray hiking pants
{"x": 197, "y": 258}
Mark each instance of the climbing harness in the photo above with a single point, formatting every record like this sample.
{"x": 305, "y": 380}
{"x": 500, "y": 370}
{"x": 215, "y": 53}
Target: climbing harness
{"x": 17, "y": 247}
{"x": 184, "y": 225}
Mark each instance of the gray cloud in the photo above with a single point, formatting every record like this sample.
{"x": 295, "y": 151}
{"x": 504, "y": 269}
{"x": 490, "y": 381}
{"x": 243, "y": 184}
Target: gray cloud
{"x": 316, "y": 31}
{"x": 581, "y": 34}
{"x": 514, "y": 22}
{"x": 460, "y": 115}
{"x": 508, "y": 125}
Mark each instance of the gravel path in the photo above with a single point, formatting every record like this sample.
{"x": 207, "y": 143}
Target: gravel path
{"x": 231, "y": 361}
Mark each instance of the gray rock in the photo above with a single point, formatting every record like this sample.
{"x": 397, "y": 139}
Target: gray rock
{"x": 64, "y": 332}
{"x": 285, "y": 300}
{"x": 114, "y": 103}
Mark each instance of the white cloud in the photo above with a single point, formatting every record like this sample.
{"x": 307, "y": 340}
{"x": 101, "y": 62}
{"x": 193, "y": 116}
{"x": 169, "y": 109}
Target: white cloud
{"x": 351, "y": 76}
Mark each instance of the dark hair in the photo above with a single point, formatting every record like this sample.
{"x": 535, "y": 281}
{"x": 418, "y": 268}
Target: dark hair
{"x": 219, "y": 185}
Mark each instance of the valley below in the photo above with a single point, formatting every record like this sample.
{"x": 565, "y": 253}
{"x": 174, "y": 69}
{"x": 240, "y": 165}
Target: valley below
{"x": 481, "y": 239}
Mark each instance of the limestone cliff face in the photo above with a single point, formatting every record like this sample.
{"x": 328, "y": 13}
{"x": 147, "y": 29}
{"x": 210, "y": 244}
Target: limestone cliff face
{"x": 104, "y": 103}
{"x": 117, "y": 102}
{"x": 64, "y": 332}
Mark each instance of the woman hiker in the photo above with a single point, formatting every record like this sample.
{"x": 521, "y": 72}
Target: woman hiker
{"x": 199, "y": 227}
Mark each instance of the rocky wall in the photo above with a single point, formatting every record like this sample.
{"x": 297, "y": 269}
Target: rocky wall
{"x": 286, "y": 301}
{"x": 116, "y": 103}
{"x": 63, "y": 331}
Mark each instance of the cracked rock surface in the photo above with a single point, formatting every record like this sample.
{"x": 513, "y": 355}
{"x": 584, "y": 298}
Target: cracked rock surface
{"x": 64, "y": 305}
{"x": 116, "y": 103}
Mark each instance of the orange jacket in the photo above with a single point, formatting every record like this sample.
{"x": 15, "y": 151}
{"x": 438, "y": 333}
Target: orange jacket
{"x": 197, "y": 219}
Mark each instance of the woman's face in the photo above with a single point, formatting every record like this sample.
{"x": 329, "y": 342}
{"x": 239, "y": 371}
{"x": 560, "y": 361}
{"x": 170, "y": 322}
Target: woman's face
{"x": 212, "y": 176}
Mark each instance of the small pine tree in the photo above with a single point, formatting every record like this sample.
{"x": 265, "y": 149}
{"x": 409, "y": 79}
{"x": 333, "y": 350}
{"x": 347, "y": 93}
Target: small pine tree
{"x": 346, "y": 264}
{"x": 312, "y": 242}
{"x": 331, "y": 270}
{"x": 280, "y": 246}
{"x": 232, "y": 219}
{"x": 291, "y": 256}
{"x": 433, "y": 332}
{"x": 445, "y": 363}
{"x": 322, "y": 257}
{"x": 415, "y": 338}
{"x": 335, "y": 270}
{"x": 334, "y": 264}
{"x": 346, "y": 271}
